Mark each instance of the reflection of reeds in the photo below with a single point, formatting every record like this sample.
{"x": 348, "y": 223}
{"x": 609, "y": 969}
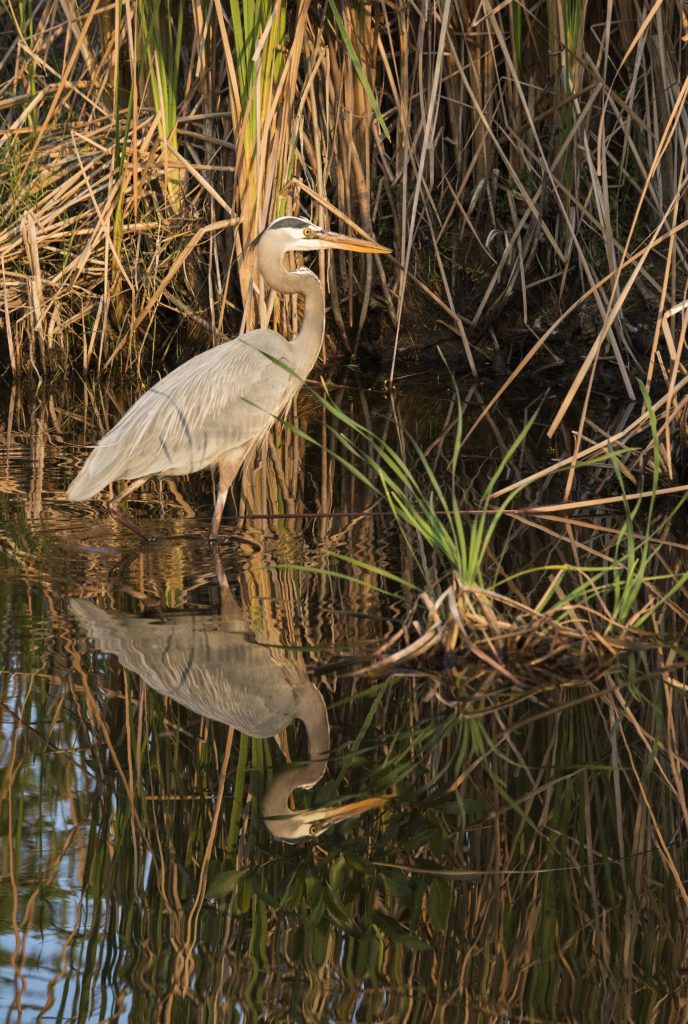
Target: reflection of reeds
{"x": 534, "y": 861}
{"x": 536, "y": 839}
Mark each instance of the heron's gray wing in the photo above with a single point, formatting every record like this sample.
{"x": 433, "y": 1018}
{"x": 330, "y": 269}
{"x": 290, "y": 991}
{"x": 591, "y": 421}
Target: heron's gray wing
{"x": 220, "y": 401}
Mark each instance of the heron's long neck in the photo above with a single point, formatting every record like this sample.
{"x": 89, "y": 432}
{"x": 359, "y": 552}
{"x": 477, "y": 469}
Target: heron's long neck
{"x": 300, "y": 282}
{"x": 312, "y": 711}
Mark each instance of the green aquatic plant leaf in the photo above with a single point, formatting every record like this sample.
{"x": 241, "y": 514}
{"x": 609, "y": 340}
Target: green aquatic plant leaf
{"x": 394, "y": 931}
{"x": 223, "y": 884}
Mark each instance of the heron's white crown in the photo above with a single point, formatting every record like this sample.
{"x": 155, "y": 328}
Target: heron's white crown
{"x": 297, "y": 234}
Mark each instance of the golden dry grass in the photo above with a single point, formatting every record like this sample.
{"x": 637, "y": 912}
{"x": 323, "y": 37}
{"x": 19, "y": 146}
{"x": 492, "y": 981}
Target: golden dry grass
{"x": 519, "y": 160}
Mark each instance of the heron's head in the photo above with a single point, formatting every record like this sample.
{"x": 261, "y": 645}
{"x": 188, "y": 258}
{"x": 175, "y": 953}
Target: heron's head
{"x": 296, "y": 826}
{"x": 296, "y": 234}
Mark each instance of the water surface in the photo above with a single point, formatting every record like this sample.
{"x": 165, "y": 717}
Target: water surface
{"x": 161, "y": 701}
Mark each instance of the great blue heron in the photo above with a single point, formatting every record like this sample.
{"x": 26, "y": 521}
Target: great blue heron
{"x": 211, "y": 665}
{"x": 217, "y": 407}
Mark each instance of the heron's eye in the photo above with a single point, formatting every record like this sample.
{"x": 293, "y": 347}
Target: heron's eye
{"x": 314, "y": 829}
{"x": 308, "y": 232}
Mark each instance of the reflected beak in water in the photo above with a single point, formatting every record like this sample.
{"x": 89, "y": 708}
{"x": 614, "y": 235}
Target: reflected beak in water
{"x": 326, "y": 816}
{"x": 295, "y": 826}
{"x": 371, "y": 803}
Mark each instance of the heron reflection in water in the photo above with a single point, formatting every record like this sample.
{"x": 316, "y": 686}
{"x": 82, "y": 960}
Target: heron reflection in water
{"x": 212, "y": 665}
{"x": 215, "y": 409}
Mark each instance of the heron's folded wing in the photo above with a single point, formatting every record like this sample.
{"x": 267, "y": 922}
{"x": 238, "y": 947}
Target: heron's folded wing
{"x": 220, "y": 400}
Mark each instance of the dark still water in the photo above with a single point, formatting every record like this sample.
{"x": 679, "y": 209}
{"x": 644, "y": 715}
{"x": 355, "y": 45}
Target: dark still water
{"x": 210, "y": 812}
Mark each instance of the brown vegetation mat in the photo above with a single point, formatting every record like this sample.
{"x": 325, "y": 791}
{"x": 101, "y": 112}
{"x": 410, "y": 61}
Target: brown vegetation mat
{"x": 473, "y": 642}
{"x": 461, "y": 635}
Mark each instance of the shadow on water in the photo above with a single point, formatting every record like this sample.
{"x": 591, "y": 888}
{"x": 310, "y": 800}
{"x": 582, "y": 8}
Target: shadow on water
{"x": 530, "y": 863}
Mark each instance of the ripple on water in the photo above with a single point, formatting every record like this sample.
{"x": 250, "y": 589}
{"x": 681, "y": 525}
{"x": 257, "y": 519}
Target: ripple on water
{"x": 138, "y": 879}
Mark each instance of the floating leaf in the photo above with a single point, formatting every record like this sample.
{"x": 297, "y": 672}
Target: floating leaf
{"x": 439, "y": 899}
{"x": 394, "y": 931}
{"x": 223, "y": 884}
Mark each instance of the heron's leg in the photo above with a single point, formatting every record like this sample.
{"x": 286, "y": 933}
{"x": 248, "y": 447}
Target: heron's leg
{"x": 228, "y": 605}
{"x": 228, "y": 469}
{"x": 113, "y": 508}
{"x": 117, "y": 498}
{"x": 122, "y": 564}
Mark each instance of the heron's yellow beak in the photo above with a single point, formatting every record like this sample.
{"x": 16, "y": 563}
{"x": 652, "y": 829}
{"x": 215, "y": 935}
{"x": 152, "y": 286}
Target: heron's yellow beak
{"x": 331, "y": 815}
{"x": 331, "y": 240}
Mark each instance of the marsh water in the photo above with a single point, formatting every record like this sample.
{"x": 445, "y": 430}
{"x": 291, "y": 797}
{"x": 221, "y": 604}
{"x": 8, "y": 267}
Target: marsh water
{"x": 211, "y": 812}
